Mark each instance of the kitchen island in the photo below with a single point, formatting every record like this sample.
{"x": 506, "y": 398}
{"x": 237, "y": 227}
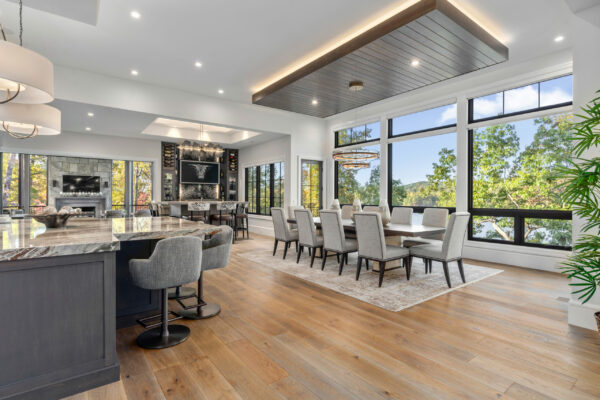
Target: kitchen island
{"x": 64, "y": 292}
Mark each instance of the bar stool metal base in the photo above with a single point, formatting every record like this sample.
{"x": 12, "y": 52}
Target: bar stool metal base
{"x": 153, "y": 338}
{"x": 206, "y": 311}
{"x": 184, "y": 291}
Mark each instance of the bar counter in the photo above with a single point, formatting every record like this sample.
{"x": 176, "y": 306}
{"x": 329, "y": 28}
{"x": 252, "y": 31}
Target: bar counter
{"x": 63, "y": 294}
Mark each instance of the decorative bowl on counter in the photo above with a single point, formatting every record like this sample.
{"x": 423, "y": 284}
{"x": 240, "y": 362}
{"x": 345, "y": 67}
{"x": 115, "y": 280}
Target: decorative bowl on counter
{"x": 52, "y": 220}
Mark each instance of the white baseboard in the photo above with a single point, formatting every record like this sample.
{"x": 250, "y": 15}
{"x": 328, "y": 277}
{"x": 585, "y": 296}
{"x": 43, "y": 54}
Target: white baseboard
{"x": 582, "y": 315}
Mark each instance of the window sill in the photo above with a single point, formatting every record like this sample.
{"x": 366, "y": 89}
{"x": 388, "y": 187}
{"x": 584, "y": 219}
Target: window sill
{"x": 258, "y": 216}
{"x": 538, "y": 251}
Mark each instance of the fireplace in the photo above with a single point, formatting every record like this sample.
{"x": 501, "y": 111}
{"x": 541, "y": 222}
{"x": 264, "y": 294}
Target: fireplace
{"x": 93, "y": 206}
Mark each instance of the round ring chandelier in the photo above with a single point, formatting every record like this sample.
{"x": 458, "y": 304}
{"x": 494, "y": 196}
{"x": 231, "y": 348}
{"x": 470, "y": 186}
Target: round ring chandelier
{"x": 355, "y": 164}
{"x": 355, "y": 155}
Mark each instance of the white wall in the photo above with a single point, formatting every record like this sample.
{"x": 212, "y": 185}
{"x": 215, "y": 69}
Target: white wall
{"x": 586, "y": 61}
{"x": 265, "y": 153}
{"x": 482, "y": 82}
{"x": 91, "y": 146}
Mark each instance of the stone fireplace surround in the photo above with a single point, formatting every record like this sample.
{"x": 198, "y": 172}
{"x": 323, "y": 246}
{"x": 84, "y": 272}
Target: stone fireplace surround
{"x": 59, "y": 166}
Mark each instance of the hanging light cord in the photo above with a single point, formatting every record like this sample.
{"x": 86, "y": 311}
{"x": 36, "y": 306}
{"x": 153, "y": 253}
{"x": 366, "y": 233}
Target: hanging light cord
{"x": 21, "y": 22}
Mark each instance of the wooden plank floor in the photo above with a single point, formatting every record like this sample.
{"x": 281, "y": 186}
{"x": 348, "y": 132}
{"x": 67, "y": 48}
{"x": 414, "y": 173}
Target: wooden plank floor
{"x": 281, "y": 337}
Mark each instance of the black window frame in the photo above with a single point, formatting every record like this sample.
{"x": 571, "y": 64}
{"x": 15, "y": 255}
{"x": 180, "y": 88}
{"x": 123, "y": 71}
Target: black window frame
{"x": 319, "y": 188}
{"x": 437, "y": 128}
{"x": 516, "y": 113}
{"x": 336, "y": 138}
{"x": 271, "y": 186}
{"x": 335, "y": 180}
{"x": 390, "y": 159}
{"x": 518, "y": 215}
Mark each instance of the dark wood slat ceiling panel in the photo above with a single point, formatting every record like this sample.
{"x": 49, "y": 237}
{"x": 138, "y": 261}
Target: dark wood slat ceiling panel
{"x": 444, "y": 41}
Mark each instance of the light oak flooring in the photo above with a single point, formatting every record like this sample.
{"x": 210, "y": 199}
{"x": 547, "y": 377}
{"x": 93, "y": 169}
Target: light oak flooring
{"x": 281, "y": 337}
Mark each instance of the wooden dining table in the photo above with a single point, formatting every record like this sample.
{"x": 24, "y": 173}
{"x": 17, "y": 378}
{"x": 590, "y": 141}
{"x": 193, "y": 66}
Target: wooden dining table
{"x": 410, "y": 230}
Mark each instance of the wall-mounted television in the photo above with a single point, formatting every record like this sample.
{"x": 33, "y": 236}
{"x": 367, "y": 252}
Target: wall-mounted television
{"x": 193, "y": 172}
{"x": 81, "y": 183}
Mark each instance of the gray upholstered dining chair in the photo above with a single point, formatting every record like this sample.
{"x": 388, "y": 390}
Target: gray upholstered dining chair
{"x": 114, "y": 214}
{"x": 402, "y": 215}
{"x": 346, "y": 211}
{"x": 371, "y": 245}
{"x": 174, "y": 262}
{"x": 291, "y": 210}
{"x": 215, "y": 254}
{"x": 307, "y": 234}
{"x": 334, "y": 238}
{"x": 283, "y": 233}
{"x": 450, "y": 249}
{"x": 370, "y": 209}
{"x": 143, "y": 213}
{"x": 437, "y": 217}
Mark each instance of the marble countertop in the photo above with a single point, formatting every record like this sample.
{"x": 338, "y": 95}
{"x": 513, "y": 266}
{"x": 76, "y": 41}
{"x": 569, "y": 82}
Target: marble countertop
{"x": 27, "y": 238}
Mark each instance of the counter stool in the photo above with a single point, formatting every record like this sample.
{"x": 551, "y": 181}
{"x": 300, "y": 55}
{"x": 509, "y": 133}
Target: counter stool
{"x": 114, "y": 214}
{"x": 225, "y": 214}
{"x": 241, "y": 220}
{"x": 198, "y": 207}
{"x": 215, "y": 254}
{"x": 174, "y": 262}
{"x": 143, "y": 213}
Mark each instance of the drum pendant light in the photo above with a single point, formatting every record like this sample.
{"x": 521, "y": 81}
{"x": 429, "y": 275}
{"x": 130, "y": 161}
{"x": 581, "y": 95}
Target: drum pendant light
{"x": 26, "y": 83}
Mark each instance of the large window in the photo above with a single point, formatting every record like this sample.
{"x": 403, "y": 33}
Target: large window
{"x": 142, "y": 184}
{"x": 38, "y": 183}
{"x": 119, "y": 175}
{"x": 360, "y": 184}
{"x": 514, "y": 188}
{"x": 311, "y": 185}
{"x": 537, "y": 96}
{"x": 423, "y": 121}
{"x": 423, "y": 171}
{"x": 358, "y": 134}
{"x": 422, "y": 160}
{"x": 11, "y": 167}
{"x": 265, "y": 187}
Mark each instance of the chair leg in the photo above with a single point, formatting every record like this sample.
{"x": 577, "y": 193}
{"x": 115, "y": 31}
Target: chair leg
{"x": 342, "y": 258}
{"x": 426, "y": 262}
{"x": 358, "y": 266}
{"x": 337, "y": 256}
{"x": 461, "y": 270}
{"x": 285, "y": 249}
{"x": 381, "y": 271}
{"x": 312, "y": 256}
{"x": 346, "y": 258}
{"x": 407, "y": 261}
{"x": 324, "y": 254}
{"x": 298, "y": 255}
{"x": 446, "y": 273}
{"x": 367, "y": 263}
{"x": 296, "y": 246}
{"x": 275, "y": 246}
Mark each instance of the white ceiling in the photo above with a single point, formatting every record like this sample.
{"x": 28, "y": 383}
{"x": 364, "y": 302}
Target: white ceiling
{"x": 116, "y": 122}
{"x": 241, "y": 43}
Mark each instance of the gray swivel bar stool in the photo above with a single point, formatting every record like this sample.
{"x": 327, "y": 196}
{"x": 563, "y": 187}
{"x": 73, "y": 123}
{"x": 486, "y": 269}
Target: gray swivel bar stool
{"x": 115, "y": 214}
{"x": 215, "y": 254}
{"x": 174, "y": 262}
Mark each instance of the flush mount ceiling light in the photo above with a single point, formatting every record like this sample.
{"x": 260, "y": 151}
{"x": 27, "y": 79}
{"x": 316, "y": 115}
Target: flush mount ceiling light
{"x": 355, "y": 165}
{"x": 355, "y": 155}
{"x": 25, "y": 76}
{"x": 355, "y": 86}
{"x": 23, "y": 121}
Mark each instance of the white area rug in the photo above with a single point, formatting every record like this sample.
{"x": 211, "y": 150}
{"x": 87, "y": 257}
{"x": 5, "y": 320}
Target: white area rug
{"x": 395, "y": 294}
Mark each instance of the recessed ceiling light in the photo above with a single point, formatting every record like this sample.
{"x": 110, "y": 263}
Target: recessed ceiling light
{"x": 559, "y": 39}
{"x": 315, "y": 102}
{"x": 414, "y": 63}
{"x": 134, "y": 72}
{"x": 221, "y": 91}
{"x": 135, "y": 15}
{"x": 355, "y": 86}
{"x": 87, "y": 128}
{"x": 198, "y": 64}
{"x": 90, "y": 114}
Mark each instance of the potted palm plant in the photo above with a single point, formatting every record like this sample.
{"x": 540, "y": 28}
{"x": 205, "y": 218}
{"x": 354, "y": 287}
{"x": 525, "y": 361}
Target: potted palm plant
{"x": 581, "y": 189}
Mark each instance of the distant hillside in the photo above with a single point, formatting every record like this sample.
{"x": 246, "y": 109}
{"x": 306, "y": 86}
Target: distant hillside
{"x": 413, "y": 187}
